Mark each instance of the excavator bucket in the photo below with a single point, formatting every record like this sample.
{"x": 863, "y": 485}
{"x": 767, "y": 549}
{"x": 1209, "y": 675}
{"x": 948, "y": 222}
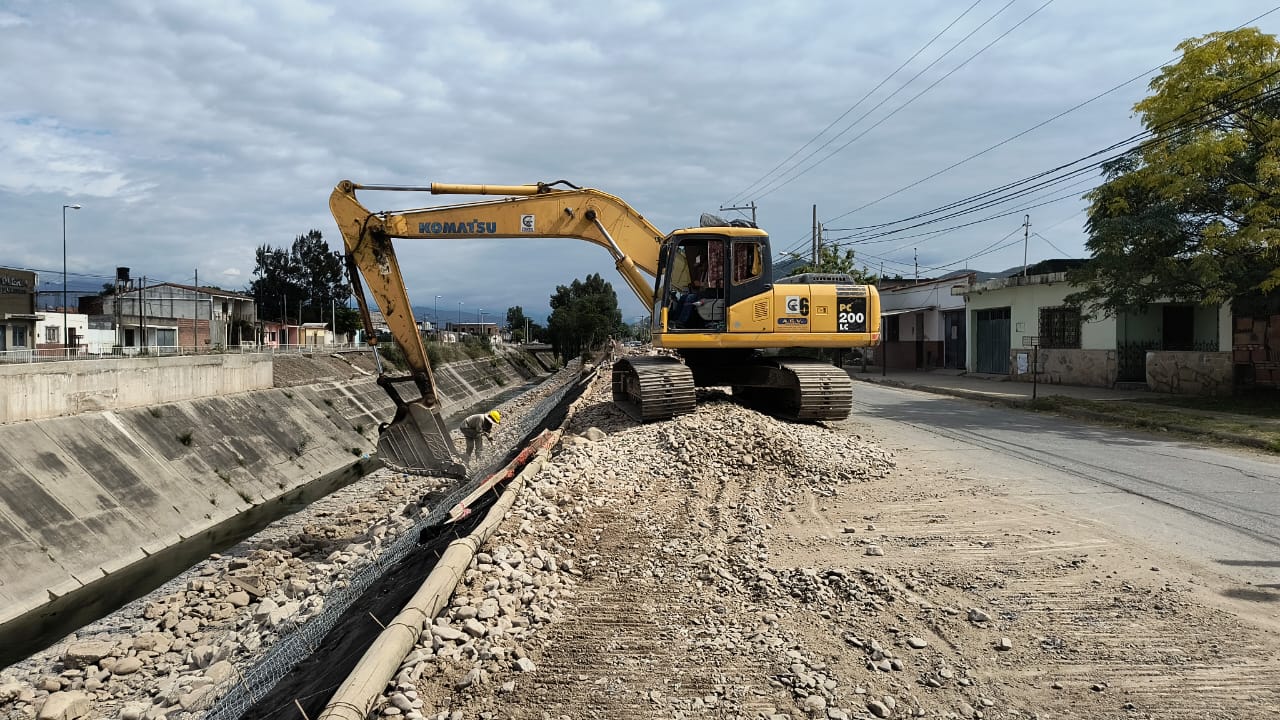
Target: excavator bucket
{"x": 417, "y": 442}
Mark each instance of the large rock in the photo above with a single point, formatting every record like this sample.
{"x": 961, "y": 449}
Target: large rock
{"x": 89, "y": 652}
{"x": 64, "y": 706}
{"x": 127, "y": 666}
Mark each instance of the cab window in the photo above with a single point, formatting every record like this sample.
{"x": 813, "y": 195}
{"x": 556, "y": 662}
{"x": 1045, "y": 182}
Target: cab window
{"x": 746, "y": 261}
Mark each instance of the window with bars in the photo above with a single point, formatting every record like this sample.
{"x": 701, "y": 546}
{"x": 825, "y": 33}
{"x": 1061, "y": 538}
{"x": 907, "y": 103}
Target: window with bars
{"x": 51, "y": 333}
{"x": 1060, "y": 328}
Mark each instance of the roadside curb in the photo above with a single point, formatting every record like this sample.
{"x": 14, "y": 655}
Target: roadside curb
{"x": 1080, "y": 413}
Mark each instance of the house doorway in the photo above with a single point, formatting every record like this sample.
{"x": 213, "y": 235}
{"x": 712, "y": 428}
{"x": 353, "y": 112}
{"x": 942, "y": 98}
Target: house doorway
{"x": 993, "y": 340}
{"x": 953, "y": 339}
{"x": 919, "y": 336}
{"x": 1179, "y": 330}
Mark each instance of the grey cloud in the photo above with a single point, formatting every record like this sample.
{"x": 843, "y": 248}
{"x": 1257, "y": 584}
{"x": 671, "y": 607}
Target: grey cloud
{"x": 197, "y": 131}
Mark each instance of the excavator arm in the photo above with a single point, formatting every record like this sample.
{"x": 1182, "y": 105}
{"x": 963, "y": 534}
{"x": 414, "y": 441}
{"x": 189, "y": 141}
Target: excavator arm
{"x": 417, "y": 440}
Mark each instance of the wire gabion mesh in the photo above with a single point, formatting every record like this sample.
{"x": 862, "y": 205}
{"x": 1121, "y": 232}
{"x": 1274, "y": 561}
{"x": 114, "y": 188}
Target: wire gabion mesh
{"x": 297, "y": 641}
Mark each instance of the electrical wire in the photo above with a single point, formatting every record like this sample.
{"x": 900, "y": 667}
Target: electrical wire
{"x": 779, "y": 185}
{"x": 1267, "y": 96}
{"x": 1151, "y": 138}
{"x": 1055, "y": 247}
{"x": 741, "y": 193}
{"x": 1142, "y": 139}
{"x": 1035, "y": 127}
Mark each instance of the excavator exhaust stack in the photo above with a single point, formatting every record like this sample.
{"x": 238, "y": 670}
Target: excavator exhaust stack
{"x": 417, "y": 442}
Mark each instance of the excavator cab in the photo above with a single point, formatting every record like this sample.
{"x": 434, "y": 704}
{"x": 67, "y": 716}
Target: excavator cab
{"x": 705, "y": 272}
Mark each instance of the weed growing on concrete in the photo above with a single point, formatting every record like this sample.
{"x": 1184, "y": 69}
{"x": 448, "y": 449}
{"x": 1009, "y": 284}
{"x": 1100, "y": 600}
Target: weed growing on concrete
{"x": 155, "y": 412}
{"x": 213, "y": 498}
{"x": 328, "y": 402}
{"x": 356, "y": 452}
{"x": 244, "y": 495}
{"x": 288, "y": 394}
{"x": 359, "y": 429}
{"x": 223, "y": 476}
{"x": 185, "y": 438}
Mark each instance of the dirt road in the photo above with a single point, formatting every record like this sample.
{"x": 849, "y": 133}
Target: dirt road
{"x": 726, "y": 565}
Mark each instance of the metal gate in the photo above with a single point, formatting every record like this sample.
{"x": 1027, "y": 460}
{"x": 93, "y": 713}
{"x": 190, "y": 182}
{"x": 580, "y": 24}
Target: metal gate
{"x": 992, "y": 328}
{"x": 1131, "y": 365}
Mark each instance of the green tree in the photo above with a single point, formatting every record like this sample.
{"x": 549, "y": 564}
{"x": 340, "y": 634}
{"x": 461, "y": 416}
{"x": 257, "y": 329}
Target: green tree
{"x": 347, "y": 321}
{"x": 832, "y": 260}
{"x": 1191, "y": 215}
{"x": 584, "y": 315}
{"x": 306, "y": 276}
{"x": 515, "y": 322}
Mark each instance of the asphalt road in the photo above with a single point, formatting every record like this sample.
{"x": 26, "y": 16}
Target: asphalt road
{"x": 1215, "y": 506}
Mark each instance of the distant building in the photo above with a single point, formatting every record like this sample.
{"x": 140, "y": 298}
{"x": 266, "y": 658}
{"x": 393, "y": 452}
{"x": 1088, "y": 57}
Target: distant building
{"x": 17, "y": 309}
{"x": 170, "y": 314}
{"x": 490, "y": 329}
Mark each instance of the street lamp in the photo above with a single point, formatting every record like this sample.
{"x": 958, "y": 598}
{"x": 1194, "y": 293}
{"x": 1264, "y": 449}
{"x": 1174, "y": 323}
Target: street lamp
{"x": 435, "y": 314}
{"x": 480, "y": 325}
{"x": 64, "y": 275}
{"x": 459, "y": 312}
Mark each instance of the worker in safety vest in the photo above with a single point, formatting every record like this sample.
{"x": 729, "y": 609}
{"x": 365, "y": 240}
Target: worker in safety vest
{"x": 478, "y": 427}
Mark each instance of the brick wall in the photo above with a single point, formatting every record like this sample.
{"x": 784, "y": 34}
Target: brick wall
{"x": 1255, "y": 350}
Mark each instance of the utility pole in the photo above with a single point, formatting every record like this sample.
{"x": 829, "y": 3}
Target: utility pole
{"x": 1026, "y": 236}
{"x": 142, "y": 318}
{"x": 751, "y": 207}
{"x": 915, "y": 253}
{"x": 815, "y": 235}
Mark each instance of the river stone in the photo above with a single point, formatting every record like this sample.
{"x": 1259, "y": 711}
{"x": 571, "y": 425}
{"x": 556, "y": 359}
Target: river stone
{"x": 127, "y": 666}
{"x": 89, "y": 652}
{"x": 65, "y": 706}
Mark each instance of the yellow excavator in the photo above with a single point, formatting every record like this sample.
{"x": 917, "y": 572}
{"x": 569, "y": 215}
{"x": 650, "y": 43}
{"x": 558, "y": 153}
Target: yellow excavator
{"x": 713, "y": 296}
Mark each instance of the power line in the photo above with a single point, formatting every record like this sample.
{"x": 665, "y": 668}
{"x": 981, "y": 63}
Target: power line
{"x": 1150, "y": 139}
{"x": 895, "y": 111}
{"x": 1143, "y": 139}
{"x": 742, "y": 193}
{"x": 1055, "y": 247}
{"x": 1033, "y": 128}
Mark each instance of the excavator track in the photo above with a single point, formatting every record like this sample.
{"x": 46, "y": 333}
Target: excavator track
{"x": 802, "y": 389}
{"x": 652, "y": 388}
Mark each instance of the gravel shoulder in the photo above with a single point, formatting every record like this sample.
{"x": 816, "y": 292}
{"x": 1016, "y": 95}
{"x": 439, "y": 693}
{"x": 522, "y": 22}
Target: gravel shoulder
{"x": 725, "y": 564}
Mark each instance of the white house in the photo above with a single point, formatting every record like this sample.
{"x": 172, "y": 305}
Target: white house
{"x": 1020, "y": 323}
{"x": 924, "y": 323}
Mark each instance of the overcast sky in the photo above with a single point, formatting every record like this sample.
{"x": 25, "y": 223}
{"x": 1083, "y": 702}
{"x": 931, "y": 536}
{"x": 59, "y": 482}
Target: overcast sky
{"x": 193, "y": 132}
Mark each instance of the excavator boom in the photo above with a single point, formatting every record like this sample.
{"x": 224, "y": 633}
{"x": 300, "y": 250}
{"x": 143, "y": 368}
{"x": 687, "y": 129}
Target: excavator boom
{"x": 711, "y": 289}
{"x": 417, "y": 440}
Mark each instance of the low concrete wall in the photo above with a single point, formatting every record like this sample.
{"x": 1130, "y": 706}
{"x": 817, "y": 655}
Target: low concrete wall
{"x": 1055, "y": 366}
{"x": 35, "y": 391}
{"x": 1190, "y": 373}
{"x": 91, "y": 504}
{"x": 85, "y": 497}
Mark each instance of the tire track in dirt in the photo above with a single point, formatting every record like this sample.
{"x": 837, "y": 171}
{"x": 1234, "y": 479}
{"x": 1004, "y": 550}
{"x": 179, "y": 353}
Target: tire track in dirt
{"x": 1099, "y": 624}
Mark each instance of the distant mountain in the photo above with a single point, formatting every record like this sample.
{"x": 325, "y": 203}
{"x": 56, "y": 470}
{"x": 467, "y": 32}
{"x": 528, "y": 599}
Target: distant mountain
{"x": 423, "y": 312}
